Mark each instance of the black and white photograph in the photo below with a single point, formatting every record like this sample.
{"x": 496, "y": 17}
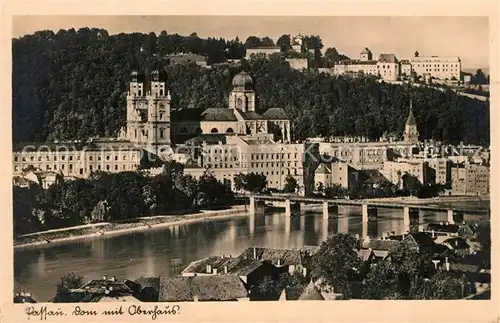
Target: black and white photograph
{"x": 177, "y": 158}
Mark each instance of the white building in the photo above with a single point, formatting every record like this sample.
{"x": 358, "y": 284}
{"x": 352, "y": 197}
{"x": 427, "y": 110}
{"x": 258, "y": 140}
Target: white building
{"x": 386, "y": 67}
{"x": 444, "y": 68}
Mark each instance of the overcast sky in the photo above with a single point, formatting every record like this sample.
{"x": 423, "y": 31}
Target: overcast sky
{"x": 466, "y": 37}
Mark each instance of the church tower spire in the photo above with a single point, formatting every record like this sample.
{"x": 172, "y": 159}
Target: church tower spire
{"x": 411, "y": 132}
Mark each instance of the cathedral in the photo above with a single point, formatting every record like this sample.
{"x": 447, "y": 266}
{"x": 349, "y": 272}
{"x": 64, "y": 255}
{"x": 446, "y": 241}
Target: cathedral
{"x": 154, "y": 125}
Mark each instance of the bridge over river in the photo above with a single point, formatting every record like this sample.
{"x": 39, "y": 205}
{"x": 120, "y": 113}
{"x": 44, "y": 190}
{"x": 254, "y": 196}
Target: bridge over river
{"x": 369, "y": 208}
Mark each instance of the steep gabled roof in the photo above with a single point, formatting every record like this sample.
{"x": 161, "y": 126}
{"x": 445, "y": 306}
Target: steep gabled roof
{"x": 148, "y": 281}
{"x": 275, "y": 114}
{"x": 365, "y": 51}
{"x": 286, "y": 257}
{"x": 235, "y": 266}
{"x": 323, "y": 169}
{"x": 387, "y": 58}
{"x": 311, "y": 293}
{"x": 205, "y": 288}
{"x": 385, "y": 245}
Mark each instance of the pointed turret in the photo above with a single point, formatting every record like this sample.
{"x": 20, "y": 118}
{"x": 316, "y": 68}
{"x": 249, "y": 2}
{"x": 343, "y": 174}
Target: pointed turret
{"x": 411, "y": 133}
{"x": 410, "y": 121}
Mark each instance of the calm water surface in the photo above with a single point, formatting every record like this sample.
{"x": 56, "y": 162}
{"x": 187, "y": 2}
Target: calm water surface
{"x": 155, "y": 251}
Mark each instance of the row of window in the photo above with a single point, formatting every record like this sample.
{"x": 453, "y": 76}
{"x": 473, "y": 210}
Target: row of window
{"x": 71, "y": 169}
{"x": 63, "y": 158}
{"x": 272, "y": 156}
{"x": 438, "y": 65}
{"x": 262, "y": 165}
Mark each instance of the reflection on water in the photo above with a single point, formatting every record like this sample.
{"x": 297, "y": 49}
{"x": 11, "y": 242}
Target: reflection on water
{"x": 153, "y": 252}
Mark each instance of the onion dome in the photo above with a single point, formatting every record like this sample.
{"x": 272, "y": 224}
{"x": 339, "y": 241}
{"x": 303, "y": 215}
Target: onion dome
{"x": 155, "y": 75}
{"x": 243, "y": 82}
{"x": 134, "y": 76}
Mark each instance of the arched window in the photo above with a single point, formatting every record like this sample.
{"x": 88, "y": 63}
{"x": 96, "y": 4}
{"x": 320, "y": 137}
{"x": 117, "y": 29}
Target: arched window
{"x": 184, "y": 130}
{"x": 214, "y": 130}
{"x": 140, "y": 93}
{"x": 229, "y": 130}
{"x": 161, "y": 92}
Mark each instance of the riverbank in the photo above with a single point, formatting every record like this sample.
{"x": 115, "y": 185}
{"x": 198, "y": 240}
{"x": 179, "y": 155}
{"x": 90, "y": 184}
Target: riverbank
{"x": 108, "y": 229}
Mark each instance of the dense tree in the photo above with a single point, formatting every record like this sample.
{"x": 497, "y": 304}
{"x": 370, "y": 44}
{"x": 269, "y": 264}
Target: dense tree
{"x": 335, "y": 191}
{"x": 331, "y": 57}
{"x": 381, "y": 282}
{"x": 122, "y": 196}
{"x": 337, "y": 262}
{"x": 479, "y": 78}
{"x": 290, "y": 184}
{"x": 69, "y": 281}
{"x": 284, "y": 42}
{"x": 251, "y": 182}
{"x": 411, "y": 184}
{"x": 71, "y": 85}
{"x": 271, "y": 287}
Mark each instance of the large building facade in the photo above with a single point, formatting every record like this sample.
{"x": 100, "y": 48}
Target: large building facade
{"x": 389, "y": 68}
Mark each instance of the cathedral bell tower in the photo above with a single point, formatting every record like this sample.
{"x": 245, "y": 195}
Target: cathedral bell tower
{"x": 148, "y": 112}
{"x": 411, "y": 133}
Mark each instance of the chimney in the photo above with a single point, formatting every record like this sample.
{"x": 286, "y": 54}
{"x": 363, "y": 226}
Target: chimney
{"x": 304, "y": 271}
{"x": 254, "y": 253}
{"x": 279, "y": 262}
{"x": 209, "y": 269}
{"x": 225, "y": 269}
{"x": 195, "y": 298}
{"x": 433, "y": 234}
{"x": 105, "y": 277}
{"x": 447, "y": 264}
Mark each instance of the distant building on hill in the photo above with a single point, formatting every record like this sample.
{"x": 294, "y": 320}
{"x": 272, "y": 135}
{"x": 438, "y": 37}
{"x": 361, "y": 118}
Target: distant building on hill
{"x": 386, "y": 67}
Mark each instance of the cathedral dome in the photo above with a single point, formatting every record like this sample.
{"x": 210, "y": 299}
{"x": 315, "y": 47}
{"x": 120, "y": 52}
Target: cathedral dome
{"x": 155, "y": 75}
{"x": 242, "y": 81}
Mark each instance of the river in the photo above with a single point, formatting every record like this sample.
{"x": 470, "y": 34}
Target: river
{"x": 166, "y": 251}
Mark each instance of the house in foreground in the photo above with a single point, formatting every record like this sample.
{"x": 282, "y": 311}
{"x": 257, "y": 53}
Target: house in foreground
{"x": 249, "y": 270}
{"x": 100, "y": 290}
{"x": 287, "y": 260}
{"x": 191, "y": 289}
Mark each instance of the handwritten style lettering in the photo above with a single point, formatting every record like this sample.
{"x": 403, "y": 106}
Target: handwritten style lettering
{"x": 77, "y": 311}
{"x": 43, "y": 312}
{"x": 154, "y": 313}
{"x": 118, "y": 311}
